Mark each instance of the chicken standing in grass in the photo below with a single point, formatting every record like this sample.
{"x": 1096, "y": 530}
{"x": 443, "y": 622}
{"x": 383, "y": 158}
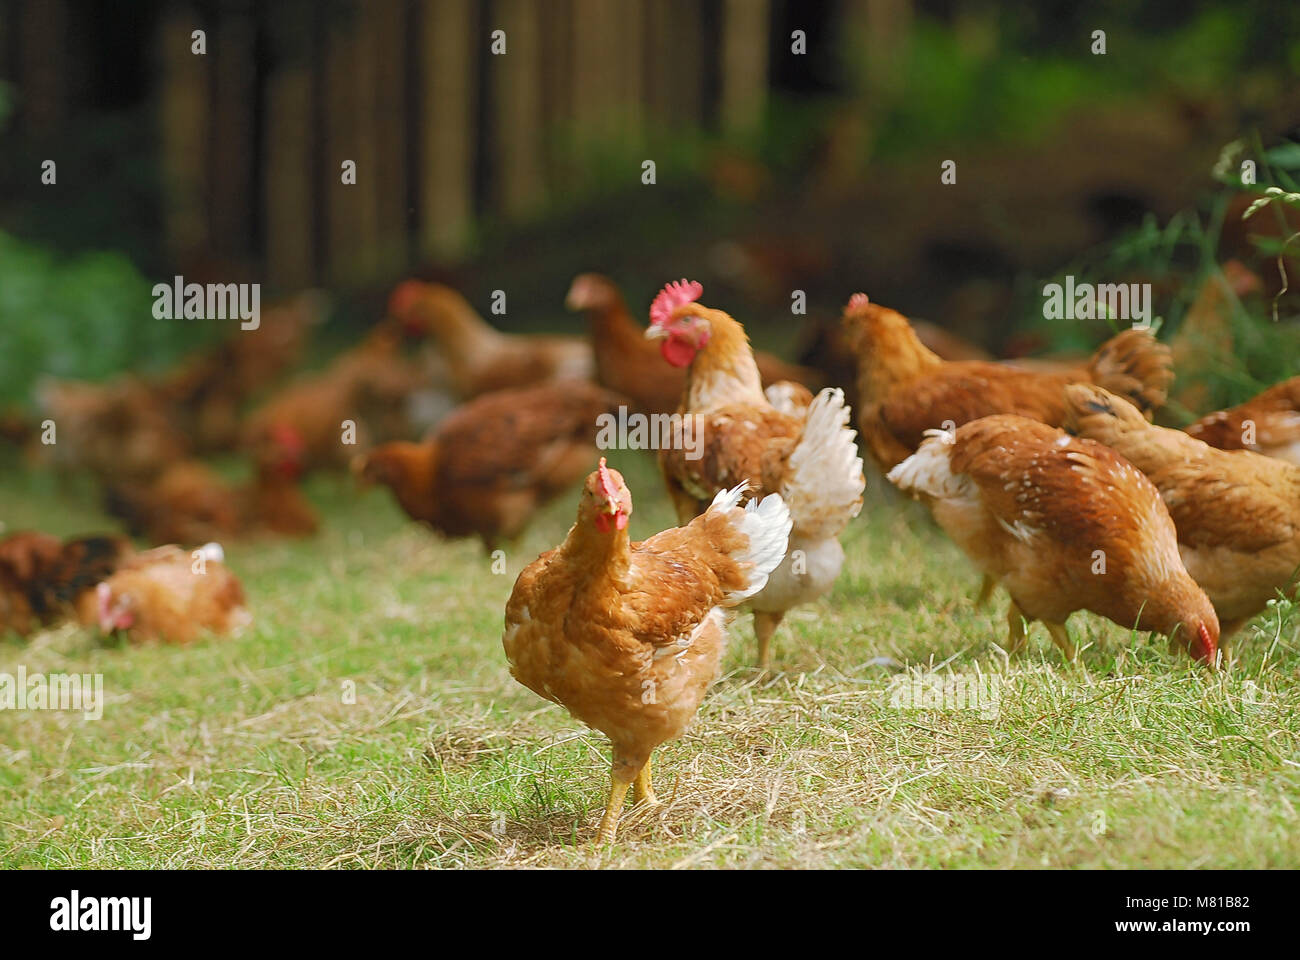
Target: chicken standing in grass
{"x": 807, "y": 455}
{"x": 492, "y": 463}
{"x": 1064, "y": 524}
{"x": 628, "y": 636}
{"x": 905, "y": 389}
{"x": 367, "y": 389}
{"x": 481, "y": 358}
{"x": 1237, "y": 513}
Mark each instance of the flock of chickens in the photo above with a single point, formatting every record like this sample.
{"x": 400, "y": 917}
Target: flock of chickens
{"x": 1051, "y": 477}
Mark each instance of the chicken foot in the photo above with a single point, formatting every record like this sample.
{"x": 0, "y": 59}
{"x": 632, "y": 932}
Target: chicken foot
{"x": 642, "y": 792}
{"x": 1016, "y": 633}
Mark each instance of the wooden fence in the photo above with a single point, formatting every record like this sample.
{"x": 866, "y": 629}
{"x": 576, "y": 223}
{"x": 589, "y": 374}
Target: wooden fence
{"x": 444, "y": 132}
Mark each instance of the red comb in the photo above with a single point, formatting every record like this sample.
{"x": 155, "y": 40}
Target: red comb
{"x": 671, "y": 297}
{"x": 403, "y": 296}
{"x": 858, "y": 300}
{"x": 607, "y": 486}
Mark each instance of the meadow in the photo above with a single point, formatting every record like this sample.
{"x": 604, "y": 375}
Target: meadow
{"x": 368, "y": 720}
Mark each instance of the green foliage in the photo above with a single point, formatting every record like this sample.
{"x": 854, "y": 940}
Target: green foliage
{"x": 957, "y": 88}
{"x": 1178, "y": 256}
{"x": 90, "y": 316}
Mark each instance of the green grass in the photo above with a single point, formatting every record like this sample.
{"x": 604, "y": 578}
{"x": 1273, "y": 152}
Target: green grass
{"x": 242, "y": 752}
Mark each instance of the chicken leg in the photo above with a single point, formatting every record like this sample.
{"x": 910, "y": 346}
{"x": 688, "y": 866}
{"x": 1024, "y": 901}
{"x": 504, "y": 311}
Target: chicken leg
{"x": 1016, "y": 629}
{"x": 987, "y": 586}
{"x": 609, "y": 822}
{"x": 765, "y": 625}
{"x": 1061, "y": 637}
{"x": 643, "y": 790}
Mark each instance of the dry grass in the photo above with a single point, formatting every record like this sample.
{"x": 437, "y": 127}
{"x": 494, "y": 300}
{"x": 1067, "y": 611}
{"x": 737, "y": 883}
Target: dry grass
{"x": 245, "y": 753}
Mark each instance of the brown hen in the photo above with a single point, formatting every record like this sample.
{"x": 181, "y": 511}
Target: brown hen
{"x": 493, "y": 462}
{"x": 733, "y": 433}
{"x": 480, "y": 358}
{"x": 168, "y": 595}
{"x": 905, "y": 389}
{"x": 1237, "y": 514}
{"x": 1064, "y": 524}
{"x": 628, "y": 636}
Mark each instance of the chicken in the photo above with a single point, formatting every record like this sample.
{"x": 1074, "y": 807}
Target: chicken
{"x": 628, "y": 636}
{"x": 1064, "y": 524}
{"x": 481, "y": 359}
{"x": 323, "y": 418}
{"x": 1237, "y": 514}
{"x": 731, "y": 434}
{"x": 187, "y": 503}
{"x": 1268, "y": 424}
{"x": 168, "y": 595}
{"x": 824, "y": 348}
{"x": 905, "y": 389}
{"x": 273, "y": 502}
{"x": 493, "y": 462}
{"x": 208, "y": 391}
{"x": 119, "y": 431}
{"x": 43, "y": 577}
{"x": 628, "y": 363}
{"x": 190, "y": 504}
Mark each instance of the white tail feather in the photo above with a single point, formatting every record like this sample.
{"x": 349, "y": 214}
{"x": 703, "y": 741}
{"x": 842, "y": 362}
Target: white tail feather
{"x": 824, "y": 480}
{"x": 928, "y": 471}
{"x": 212, "y": 553}
{"x": 766, "y": 526}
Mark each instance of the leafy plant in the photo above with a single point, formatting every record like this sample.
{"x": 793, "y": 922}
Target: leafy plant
{"x": 90, "y": 316}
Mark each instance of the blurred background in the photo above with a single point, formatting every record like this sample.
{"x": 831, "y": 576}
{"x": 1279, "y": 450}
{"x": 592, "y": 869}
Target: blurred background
{"x": 775, "y": 170}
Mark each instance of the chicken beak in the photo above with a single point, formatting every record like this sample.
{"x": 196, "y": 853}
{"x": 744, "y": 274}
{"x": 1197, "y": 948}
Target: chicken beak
{"x": 103, "y": 594}
{"x": 655, "y": 332}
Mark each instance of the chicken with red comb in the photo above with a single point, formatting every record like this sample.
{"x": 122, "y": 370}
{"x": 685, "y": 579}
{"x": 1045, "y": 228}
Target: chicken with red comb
{"x": 803, "y": 450}
{"x": 1064, "y": 524}
{"x": 1237, "y": 512}
{"x": 628, "y": 636}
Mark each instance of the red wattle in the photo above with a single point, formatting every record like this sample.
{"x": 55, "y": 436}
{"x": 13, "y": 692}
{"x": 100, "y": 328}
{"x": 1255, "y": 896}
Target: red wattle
{"x": 678, "y": 351}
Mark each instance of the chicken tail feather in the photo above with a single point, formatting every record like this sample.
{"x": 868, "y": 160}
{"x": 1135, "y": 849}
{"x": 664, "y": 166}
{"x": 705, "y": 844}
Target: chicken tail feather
{"x": 766, "y": 525}
{"x": 1134, "y": 365}
{"x": 928, "y": 472}
{"x": 823, "y": 481}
